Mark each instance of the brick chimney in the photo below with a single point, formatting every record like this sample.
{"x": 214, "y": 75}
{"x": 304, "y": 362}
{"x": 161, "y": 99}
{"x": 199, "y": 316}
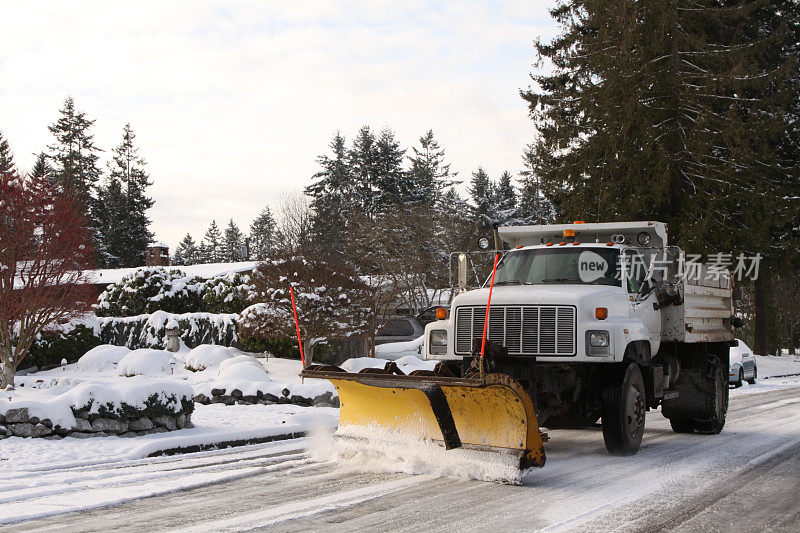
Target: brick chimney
{"x": 157, "y": 255}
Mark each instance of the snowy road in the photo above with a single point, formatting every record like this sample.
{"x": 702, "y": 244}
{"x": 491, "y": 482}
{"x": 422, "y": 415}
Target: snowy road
{"x": 748, "y": 476}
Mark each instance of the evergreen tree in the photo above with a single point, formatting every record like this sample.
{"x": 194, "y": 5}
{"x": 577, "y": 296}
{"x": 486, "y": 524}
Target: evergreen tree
{"x": 128, "y": 168}
{"x": 212, "y": 244}
{"x": 481, "y": 191}
{"x": 669, "y": 111}
{"x": 6, "y": 157}
{"x": 187, "y": 252}
{"x": 41, "y": 168}
{"x": 75, "y": 168}
{"x": 333, "y": 194}
{"x": 362, "y": 193}
{"x": 506, "y": 201}
{"x": 262, "y": 235}
{"x": 74, "y": 155}
{"x": 680, "y": 111}
{"x": 390, "y": 178}
{"x": 111, "y": 214}
{"x": 429, "y": 174}
{"x": 534, "y": 206}
{"x": 232, "y": 243}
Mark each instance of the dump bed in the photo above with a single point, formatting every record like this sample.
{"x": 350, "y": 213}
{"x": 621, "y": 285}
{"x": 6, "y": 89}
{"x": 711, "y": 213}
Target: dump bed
{"x": 707, "y": 308}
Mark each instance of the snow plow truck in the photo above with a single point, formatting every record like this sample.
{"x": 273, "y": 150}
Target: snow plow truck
{"x": 586, "y": 322}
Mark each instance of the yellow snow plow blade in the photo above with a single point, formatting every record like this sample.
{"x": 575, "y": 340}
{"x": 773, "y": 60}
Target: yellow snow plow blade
{"x": 491, "y": 414}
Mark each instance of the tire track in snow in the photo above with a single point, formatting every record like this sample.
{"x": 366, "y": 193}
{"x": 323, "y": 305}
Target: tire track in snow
{"x": 120, "y": 484}
{"x": 307, "y": 507}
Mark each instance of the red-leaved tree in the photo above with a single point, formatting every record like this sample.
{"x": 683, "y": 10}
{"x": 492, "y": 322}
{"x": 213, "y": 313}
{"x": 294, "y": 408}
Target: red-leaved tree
{"x": 44, "y": 249}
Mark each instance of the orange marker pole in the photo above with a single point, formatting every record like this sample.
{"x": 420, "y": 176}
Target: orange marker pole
{"x": 488, "y": 304}
{"x": 297, "y": 325}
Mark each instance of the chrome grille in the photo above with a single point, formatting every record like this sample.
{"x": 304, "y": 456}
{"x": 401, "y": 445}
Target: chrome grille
{"x": 523, "y": 330}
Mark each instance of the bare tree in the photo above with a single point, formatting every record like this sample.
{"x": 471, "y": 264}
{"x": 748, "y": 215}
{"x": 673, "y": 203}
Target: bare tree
{"x": 293, "y": 228}
{"x": 404, "y": 252}
{"x": 44, "y": 249}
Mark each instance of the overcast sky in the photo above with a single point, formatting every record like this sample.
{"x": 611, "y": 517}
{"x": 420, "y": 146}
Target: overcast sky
{"x": 232, "y": 102}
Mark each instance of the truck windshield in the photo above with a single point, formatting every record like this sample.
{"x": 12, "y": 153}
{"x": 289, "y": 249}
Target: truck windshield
{"x": 544, "y": 266}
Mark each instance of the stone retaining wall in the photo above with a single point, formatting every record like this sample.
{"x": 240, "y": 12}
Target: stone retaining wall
{"x": 264, "y": 398}
{"x": 18, "y": 423}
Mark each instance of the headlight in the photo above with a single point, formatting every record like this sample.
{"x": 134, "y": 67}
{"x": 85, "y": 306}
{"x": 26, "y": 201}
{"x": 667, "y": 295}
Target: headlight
{"x": 437, "y": 342}
{"x": 598, "y": 339}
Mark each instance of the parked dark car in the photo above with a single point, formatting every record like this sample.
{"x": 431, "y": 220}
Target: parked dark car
{"x": 428, "y": 315}
{"x": 400, "y": 329}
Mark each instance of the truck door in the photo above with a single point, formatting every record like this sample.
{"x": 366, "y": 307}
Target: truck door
{"x": 642, "y": 296}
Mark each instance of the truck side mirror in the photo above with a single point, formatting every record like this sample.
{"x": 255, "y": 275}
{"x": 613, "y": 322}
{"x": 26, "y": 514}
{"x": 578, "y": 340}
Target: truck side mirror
{"x": 737, "y": 322}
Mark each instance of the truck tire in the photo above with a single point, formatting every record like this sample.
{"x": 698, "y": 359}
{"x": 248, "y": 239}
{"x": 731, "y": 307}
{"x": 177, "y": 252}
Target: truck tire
{"x": 624, "y": 407}
{"x": 682, "y": 425}
{"x": 719, "y": 399}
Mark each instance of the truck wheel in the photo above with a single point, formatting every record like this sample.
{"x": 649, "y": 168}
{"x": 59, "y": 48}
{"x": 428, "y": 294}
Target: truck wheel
{"x": 624, "y": 406}
{"x": 682, "y": 425}
{"x": 714, "y": 425}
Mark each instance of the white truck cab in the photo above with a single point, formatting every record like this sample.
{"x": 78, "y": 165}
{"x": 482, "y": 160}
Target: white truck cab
{"x": 574, "y": 305}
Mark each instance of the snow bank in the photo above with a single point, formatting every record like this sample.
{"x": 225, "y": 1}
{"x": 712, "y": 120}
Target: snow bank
{"x": 206, "y": 356}
{"x": 773, "y": 365}
{"x": 101, "y": 358}
{"x": 396, "y": 350}
{"x": 146, "y": 362}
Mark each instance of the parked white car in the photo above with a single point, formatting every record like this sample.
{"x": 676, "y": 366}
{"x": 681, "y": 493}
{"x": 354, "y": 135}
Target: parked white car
{"x": 742, "y": 364}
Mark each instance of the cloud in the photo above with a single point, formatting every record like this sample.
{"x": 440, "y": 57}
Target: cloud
{"x": 232, "y": 101}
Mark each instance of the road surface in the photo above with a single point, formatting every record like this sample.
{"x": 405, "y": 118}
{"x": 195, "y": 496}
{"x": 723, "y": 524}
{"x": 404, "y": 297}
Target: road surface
{"x": 748, "y": 477}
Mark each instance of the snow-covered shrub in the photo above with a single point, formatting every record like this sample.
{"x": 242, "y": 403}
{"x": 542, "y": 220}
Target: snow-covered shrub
{"x": 206, "y": 356}
{"x": 229, "y": 293}
{"x": 67, "y": 341}
{"x": 157, "y": 289}
{"x": 152, "y": 289}
{"x": 126, "y": 399}
{"x": 149, "y": 331}
{"x": 332, "y": 302}
{"x": 146, "y": 362}
{"x": 242, "y": 368}
{"x": 101, "y": 358}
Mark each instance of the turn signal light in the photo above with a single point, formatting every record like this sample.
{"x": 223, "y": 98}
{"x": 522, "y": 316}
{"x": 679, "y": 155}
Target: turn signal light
{"x": 441, "y": 313}
{"x": 579, "y": 222}
{"x": 601, "y": 313}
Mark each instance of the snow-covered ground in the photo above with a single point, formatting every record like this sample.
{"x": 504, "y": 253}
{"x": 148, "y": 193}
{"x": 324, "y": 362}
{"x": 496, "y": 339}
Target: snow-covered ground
{"x": 771, "y": 365}
{"x": 47, "y": 477}
{"x": 283, "y": 487}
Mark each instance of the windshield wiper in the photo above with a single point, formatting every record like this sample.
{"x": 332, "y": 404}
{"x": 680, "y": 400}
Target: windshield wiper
{"x": 560, "y": 280}
{"x": 507, "y": 282}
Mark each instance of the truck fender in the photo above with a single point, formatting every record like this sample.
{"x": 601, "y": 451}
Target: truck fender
{"x": 627, "y": 332}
